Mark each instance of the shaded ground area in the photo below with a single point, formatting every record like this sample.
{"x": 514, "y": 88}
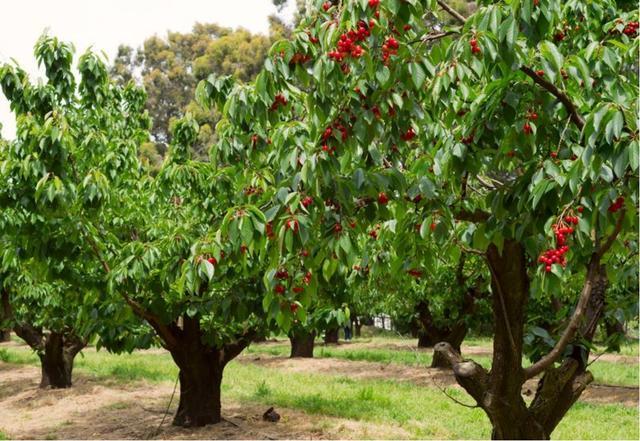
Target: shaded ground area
{"x": 98, "y": 409}
{"x": 421, "y": 376}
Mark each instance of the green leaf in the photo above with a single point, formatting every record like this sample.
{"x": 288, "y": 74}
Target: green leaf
{"x": 417, "y": 74}
{"x": 551, "y": 53}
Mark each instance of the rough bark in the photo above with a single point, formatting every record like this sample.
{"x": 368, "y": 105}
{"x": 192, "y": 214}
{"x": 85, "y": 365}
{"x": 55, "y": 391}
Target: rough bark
{"x": 57, "y": 352}
{"x": 331, "y": 336}
{"x": 302, "y": 343}
{"x": 559, "y": 388}
{"x": 429, "y": 334}
{"x": 201, "y": 368}
{"x": 498, "y": 392}
{"x": 57, "y": 359}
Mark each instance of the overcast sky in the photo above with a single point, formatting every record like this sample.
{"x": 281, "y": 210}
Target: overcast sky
{"x": 105, "y": 25}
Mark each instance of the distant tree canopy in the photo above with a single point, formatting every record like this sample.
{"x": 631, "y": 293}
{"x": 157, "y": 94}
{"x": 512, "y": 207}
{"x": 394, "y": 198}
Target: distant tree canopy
{"x": 170, "y": 68}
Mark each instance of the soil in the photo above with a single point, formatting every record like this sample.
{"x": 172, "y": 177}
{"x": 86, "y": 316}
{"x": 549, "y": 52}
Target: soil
{"x": 93, "y": 409}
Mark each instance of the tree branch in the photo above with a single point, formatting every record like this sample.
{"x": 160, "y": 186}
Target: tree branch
{"x": 572, "y": 327}
{"x": 452, "y": 12}
{"x": 562, "y": 97}
{"x": 472, "y": 216}
{"x": 612, "y": 238}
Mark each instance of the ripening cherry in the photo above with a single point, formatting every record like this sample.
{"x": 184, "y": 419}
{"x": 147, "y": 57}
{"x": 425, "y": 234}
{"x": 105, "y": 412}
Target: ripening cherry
{"x": 433, "y": 226}
{"x": 297, "y": 289}
{"x": 307, "y": 201}
{"x": 540, "y": 72}
{"x": 383, "y": 199}
{"x": 337, "y": 228}
{"x": 326, "y": 6}
{"x": 527, "y": 129}
{"x": 212, "y": 260}
{"x": 554, "y": 155}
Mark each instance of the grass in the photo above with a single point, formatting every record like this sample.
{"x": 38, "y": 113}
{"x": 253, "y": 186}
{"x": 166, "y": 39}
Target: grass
{"x": 424, "y": 412}
{"x": 3, "y": 435}
{"x": 604, "y": 372}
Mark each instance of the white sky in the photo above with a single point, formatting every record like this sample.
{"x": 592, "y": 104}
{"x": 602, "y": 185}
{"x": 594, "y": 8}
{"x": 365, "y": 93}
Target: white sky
{"x": 105, "y": 25}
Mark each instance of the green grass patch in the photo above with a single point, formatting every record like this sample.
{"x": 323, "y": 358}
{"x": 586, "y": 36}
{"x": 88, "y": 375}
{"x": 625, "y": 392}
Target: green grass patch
{"x": 423, "y": 411}
{"x": 604, "y": 372}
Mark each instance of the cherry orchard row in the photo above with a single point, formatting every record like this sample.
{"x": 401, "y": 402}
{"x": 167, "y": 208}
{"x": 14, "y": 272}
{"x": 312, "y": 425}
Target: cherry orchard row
{"x": 430, "y": 133}
{"x": 335, "y": 174}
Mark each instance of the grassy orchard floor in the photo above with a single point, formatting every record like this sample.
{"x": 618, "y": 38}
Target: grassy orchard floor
{"x": 323, "y": 404}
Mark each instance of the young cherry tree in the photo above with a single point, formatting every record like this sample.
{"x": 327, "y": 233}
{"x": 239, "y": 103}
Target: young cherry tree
{"x": 513, "y": 133}
{"x": 75, "y": 145}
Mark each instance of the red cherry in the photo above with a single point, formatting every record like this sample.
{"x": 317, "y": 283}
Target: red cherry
{"x": 280, "y": 289}
{"x": 212, "y": 261}
{"x": 307, "y": 201}
{"x": 383, "y": 199}
{"x": 294, "y": 306}
{"x": 326, "y": 6}
{"x": 433, "y": 226}
{"x": 580, "y": 209}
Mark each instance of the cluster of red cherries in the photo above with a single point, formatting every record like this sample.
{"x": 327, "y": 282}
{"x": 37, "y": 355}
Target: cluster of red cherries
{"x": 279, "y": 100}
{"x": 415, "y": 273}
{"x": 617, "y": 205}
{"x": 558, "y": 254}
{"x": 631, "y": 29}
{"x": 389, "y": 48}
{"x": 347, "y": 44}
{"x": 475, "y": 49}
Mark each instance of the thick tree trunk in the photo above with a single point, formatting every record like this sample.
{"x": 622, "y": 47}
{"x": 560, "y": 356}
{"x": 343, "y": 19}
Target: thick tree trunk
{"x": 56, "y": 351}
{"x": 57, "y": 360}
{"x": 498, "y": 392}
{"x": 200, "y": 380}
{"x": 331, "y": 336}
{"x": 5, "y": 335}
{"x": 302, "y": 343}
{"x": 201, "y": 368}
{"x": 429, "y": 334}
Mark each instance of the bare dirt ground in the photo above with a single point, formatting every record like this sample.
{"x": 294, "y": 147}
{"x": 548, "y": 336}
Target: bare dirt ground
{"x": 93, "y": 409}
{"x": 421, "y": 376}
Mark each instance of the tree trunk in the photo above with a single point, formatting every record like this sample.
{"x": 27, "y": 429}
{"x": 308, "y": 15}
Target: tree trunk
{"x": 358, "y": 329}
{"x": 498, "y": 392}
{"x": 331, "y": 336}
{"x": 200, "y": 380}
{"x": 5, "y": 335}
{"x": 57, "y": 361}
{"x": 430, "y": 334}
{"x": 302, "y": 343}
{"x": 201, "y": 367}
